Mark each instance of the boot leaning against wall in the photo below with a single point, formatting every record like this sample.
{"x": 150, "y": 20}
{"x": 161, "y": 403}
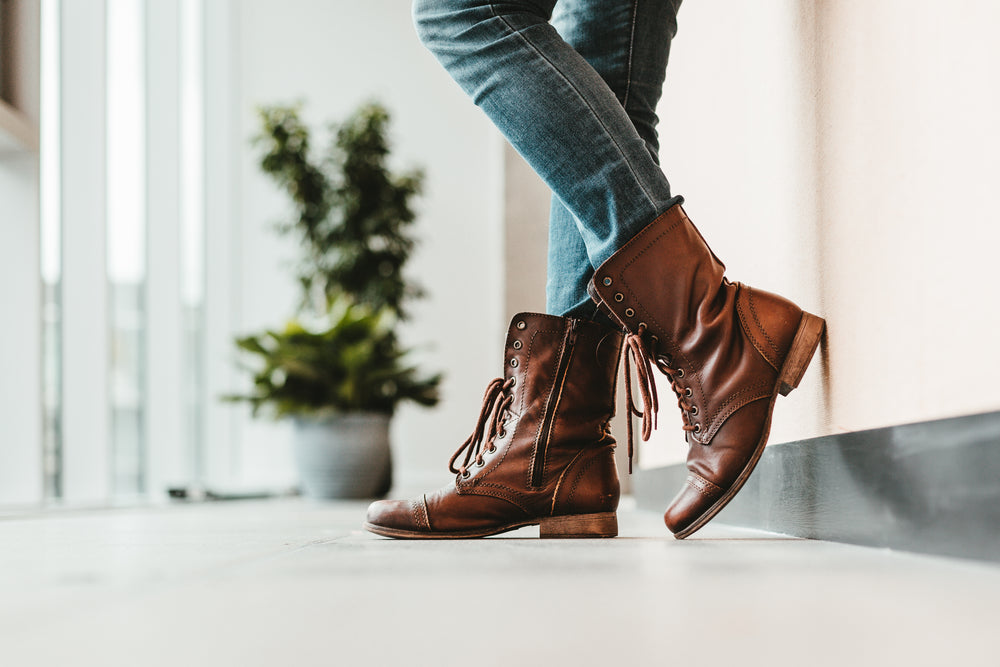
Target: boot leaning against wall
{"x": 727, "y": 349}
{"x": 541, "y": 452}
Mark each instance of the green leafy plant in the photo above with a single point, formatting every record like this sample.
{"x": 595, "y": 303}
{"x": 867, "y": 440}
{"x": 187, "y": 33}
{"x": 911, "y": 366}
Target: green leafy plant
{"x": 346, "y": 361}
{"x": 353, "y": 213}
{"x": 341, "y": 352}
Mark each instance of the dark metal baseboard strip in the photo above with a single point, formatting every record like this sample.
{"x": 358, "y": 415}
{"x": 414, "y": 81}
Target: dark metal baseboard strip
{"x": 931, "y": 487}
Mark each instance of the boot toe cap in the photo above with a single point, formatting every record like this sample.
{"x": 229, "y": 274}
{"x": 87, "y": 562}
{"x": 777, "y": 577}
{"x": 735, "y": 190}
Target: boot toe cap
{"x": 695, "y": 498}
{"x": 397, "y": 515}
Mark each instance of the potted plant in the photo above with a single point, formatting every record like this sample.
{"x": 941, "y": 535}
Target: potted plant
{"x": 337, "y": 368}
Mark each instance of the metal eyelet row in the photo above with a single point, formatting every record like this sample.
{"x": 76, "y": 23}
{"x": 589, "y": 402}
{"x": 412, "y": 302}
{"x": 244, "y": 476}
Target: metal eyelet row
{"x": 482, "y": 462}
{"x": 630, "y": 312}
{"x": 521, "y": 325}
{"x": 618, "y": 297}
{"x": 517, "y": 345}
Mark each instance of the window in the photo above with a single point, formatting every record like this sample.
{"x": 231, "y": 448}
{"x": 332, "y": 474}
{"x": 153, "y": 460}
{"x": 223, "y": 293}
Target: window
{"x": 51, "y": 252}
{"x": 126, "y": 242}
{"x": 122, "y": 418}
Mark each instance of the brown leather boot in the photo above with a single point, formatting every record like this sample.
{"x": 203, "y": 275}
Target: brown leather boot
{"x": 727, "y": 349}
{"x": 541, "y": 452}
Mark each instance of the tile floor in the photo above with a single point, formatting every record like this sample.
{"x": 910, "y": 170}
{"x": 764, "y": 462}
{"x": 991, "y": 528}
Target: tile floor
{"x": 298, "y": 583}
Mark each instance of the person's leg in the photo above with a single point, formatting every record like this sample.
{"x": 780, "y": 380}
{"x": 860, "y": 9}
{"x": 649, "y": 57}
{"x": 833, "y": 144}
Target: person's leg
{"x": 727, "y": 350}
{"x": 627, "y": 42}
{"x": 555, "y": 109}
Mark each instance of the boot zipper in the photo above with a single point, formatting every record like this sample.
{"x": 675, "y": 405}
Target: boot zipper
{"x": 542, "y": 447}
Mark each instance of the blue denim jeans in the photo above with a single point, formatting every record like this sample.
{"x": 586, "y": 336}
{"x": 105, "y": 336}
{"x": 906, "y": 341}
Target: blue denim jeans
{"x": 575, "y": 92}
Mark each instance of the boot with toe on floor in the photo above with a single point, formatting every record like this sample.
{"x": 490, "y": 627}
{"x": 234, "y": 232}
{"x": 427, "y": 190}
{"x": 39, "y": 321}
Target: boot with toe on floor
{"x": 727, "y": 349}
{"x": 541, "y": 452}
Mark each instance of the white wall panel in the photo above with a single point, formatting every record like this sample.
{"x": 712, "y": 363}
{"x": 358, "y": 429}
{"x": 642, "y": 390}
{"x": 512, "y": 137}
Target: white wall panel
{"x": 20, "y": 287}
{"x": 223, "y": 147}
{"x": 86, "y": 450}
{"x": 169, "y": 459}
{"x": 20, "y": 332}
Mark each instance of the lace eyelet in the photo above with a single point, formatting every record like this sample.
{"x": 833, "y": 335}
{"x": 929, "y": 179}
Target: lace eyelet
{"x": 466, "y": 475}
{"x": 688, "y": 392}
{"x": 697, "y": 428}
{"x": 517, "y": 345}
{"x": 629, "y": 312}
{"x": 501, "y": 434}
{"x": 619, "y": 297}
{"x": 607, "y": 281}
{"x": 513, "y": 381}
{"x": 694, "y": 410}
{"x": 513, "y": 363}
{"x": 521, "y": 325}
{"x": 492, "y": 448}
{"x": 480, "y": 463}
{"x": 680, "y": 372}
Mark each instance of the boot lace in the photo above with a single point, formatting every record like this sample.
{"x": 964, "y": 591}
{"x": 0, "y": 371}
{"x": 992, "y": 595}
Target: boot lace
{"x": 496, "y": 401}
{"x": 637, "y": 351}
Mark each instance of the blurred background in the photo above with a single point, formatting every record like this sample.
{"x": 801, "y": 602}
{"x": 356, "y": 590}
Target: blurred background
{"x": 842, "y": 153}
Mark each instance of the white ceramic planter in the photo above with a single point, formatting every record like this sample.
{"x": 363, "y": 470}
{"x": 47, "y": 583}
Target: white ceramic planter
{"x": 344, "y": 456}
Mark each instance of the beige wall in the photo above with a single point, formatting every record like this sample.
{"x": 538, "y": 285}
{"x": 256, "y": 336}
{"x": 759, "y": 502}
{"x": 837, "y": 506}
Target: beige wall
{"x": 846, "y": 154}
{"x": 526, "y": 201}
{"x": 909, "y": 162}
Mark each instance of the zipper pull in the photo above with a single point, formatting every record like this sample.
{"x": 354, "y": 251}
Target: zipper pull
{"x": 571, "y": 334}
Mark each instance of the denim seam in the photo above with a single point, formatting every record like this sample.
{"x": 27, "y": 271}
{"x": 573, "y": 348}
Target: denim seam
{"x": 593, "y": 112}
{"x": 631, "y": 50}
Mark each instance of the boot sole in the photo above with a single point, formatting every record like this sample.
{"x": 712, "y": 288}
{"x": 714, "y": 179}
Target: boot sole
{"x": 800, "y": 354}
{"x": 603, "y": 524}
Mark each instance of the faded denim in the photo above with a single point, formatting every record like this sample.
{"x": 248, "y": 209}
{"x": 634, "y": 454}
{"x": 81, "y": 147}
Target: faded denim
{"x": 575, "y": 93}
